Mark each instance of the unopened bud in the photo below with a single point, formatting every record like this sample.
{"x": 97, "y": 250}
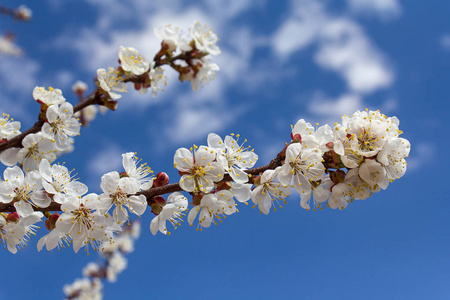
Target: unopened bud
{"x": 111, "y": 104}
{"x": 197, "y": 198}
{"x": 224, "y": 185}
{"x": 23, "y": 13}
{"x": 50, "y": 223}
{"x": 337, "y": 176}
{"x": 161, "y": 179}
{"x": 157, "y": 204}
{"x": 13, "y": 217}
{"x": 296, "y": 137}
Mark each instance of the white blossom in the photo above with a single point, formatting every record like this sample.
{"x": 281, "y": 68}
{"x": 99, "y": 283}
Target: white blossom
{"x": 141, "y": 173}
{"x": 48, "y": 97}
{"x": 25, "y": 191}
{"x": 57, "y": 180}
{"x": 157, "y": 79}
{"x": 234, "y": 158}
{"x": 16, "y": 233}
{"x": 173, "y": 211}
{"x": 35, "y": 148}
{"x": 60, "y": 125}
{"x": 82, "y": 221}
{"x": 302, "y": 166}
{"x": 132, "y": 61}
{"x": 205, "y": 39}
{"x": 116, "y": 191}
{"x": 8, "y": 127}
{"x": 111, "y": 82}
{"x": 269, "y": 189}
{"x": 199, "y": 169}
{"x": 172, "y": 37}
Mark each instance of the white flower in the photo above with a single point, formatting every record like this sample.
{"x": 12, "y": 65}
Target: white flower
{"x": 365, "y": 134}
{"x": 234, "y": 158}
{"x": 157, "y": 79}
{"x": 50, "y": 97}
{"x": 132, "y": 61}
{"x": 172, "y": 211}
{"x": 269, "y": 188}
{"x": 116, "y": 264}
{"x": 373, "y": 172}
{"x": 205, "y": 39}
{"x": 16, "y": 234}
{"x": 302, "y": 166}
{"x": 24, "y": 13}
{"x": 204, "y": 72}
{"x": 207, "y": 210}
{"x": 393, "y": 157}
{"x": 84, "y": 289}
{"x": 320, "y": 193}
{"x": 54, "y": 239}
{"x": 199, "y": 169}
{"x": 56, "y": 180}
{"x": 87, "y": 114}
{"x": 116, "y": 191}
{"x": 8, "y": 127}
{"x": 8, "y": 157}
{"x": 141, "y": 173}
{"x": 60, "y": 125}
{"x": 35, "y": 148}
{"x": 172, "y": 38}
{"x": 8, "y": 47}
{"x": 79, "y": 87}
{"x": 23, "y": 190}
{"x": 111, "y": 82}
{"x": 241, "y": 191}
{"x": 82, "y": 222}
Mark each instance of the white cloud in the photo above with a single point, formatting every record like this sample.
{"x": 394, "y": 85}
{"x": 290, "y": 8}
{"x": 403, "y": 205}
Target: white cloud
{"x": 301, "y": 29}
{"x": 107, "y": 159}
{"x": 347, "y": 50}
{"x": 18, "y": 77}
{"x": 421, "y": 154}
{"x": 445, "y": 41}
{"x": 344, "y": 104}
{"x": 383, "y": 8}
{"x": 342, "y": 46}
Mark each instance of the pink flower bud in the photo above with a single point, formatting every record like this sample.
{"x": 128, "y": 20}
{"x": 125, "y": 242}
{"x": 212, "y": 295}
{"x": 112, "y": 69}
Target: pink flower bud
{"x": 50, "y": 223}
{"x": 13, "y": 217}
{"x": 161, "y": 179}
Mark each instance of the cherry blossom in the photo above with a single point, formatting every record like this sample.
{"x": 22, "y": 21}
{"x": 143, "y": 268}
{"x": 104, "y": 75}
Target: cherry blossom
{"x": 268, "y": 189}
{"x": 23, "y": 190}
{"x": 234, "y": 158}
{"x": 199, "y": 169}
{"x": 116, "y": 191}
{"x": 132, "y": 61}
{"x": 82, "y": 221}
{"x": 111, "y": 82}
{"x": 172, "y": 212}
{"x": 60, "y": 125}
{"x": 48, "y": 97}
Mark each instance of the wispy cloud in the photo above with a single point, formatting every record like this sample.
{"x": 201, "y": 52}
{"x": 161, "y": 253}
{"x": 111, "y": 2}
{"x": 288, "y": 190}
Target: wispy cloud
{"x": 421, "y": 154}
{"x": 445, "y": 41}
{"x": 383, "y": 8}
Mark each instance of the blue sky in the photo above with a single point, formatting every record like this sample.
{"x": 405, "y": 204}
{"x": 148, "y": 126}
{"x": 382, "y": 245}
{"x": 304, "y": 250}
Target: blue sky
{"x": 280, "y": 62}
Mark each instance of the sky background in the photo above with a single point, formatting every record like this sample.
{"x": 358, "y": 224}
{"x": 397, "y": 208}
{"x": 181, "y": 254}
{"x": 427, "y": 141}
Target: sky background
{"x": 281, "y": 61}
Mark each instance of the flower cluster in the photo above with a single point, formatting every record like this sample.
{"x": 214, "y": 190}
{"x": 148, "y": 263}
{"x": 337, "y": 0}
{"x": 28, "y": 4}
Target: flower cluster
{"x": 325, "y": 166}
{"x": 189, "y": 55}
{"x": 56, "y": 134}
{"x": 85, "y": 218}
